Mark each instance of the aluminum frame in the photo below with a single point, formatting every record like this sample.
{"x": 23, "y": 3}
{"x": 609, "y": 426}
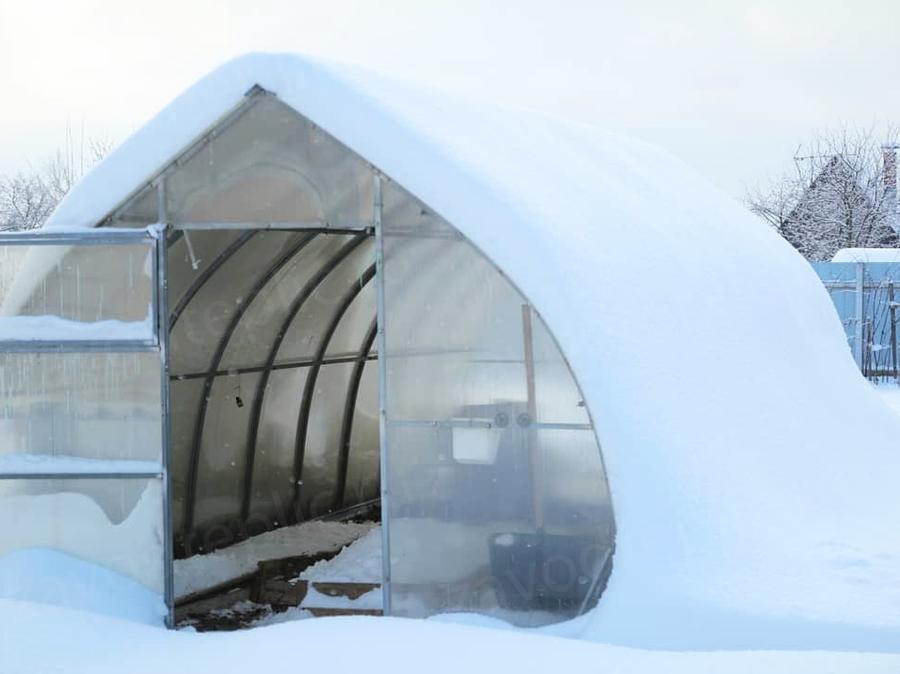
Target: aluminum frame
{"x": 382, "y": 393}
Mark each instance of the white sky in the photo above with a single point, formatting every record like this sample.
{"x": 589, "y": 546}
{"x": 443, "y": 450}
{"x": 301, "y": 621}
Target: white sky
{"x": 730, "y": 86}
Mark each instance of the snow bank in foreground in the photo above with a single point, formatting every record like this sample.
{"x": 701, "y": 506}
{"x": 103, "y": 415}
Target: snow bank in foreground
{"x": 50, "y": 640}
{"x": 52, "y": 577}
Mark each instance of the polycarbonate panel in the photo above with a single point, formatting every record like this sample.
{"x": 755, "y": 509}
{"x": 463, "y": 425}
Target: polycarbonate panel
{"x": 184, "y": 400}
{"x": 115, "y": 524}
{"x": 223, "y": 450}
{"x": 273, "y": 482}
{"x": 205, "y": 319}
{"x": 271, "y": 165}
{"x": 141, "y": 211}
{"x": 306, "y": 331}
{"x": 355, "y": 324}
{"x": 498, "y": 497}
{"x": 363, "y": 477}
{"x": 84, "y": 405}
{"x": 82, "y": 285}
{"x": 269, "y": 314}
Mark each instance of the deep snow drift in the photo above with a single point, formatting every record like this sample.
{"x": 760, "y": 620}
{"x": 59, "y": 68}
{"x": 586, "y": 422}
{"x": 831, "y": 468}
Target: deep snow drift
{"x": 753, "y": 472}
{"x": 60, "y": 641}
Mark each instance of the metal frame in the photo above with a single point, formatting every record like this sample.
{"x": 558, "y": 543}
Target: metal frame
{"x": 320, "y": 226}
{"x": 82, "y": 237}
{"x": 283, "y": 365}
{"x": 86, "y": 475}
{"x": 259, "y": 397}
{"x": 162, "y": 328}
{"x": 382, "y": 395}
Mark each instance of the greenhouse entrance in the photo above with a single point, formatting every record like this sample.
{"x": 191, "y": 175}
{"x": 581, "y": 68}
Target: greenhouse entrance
{"x": 274, "y": 418}
{"x": 324, "y": 399}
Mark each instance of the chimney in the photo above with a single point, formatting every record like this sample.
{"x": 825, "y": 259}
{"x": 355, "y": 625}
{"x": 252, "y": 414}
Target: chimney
{"x": 889, "y": 151}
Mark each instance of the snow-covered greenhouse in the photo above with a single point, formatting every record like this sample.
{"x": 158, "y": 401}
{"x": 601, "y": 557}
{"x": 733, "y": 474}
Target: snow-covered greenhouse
{"x": 306, "y": 308}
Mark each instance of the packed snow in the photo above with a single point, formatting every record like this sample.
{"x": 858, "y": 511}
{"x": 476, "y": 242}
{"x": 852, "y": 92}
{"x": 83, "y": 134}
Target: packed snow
{"x": 51, "y": 577}
{"x": 359, "y": 562}
{"x": 52, "y": 640}
{"x": 204, "y": 571}
{"x": 753, "y": 471}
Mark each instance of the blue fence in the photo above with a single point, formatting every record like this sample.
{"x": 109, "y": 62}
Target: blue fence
{"x": 867, "y": 299}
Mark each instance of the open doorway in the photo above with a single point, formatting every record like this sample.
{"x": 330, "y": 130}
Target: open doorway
{"x": 274, "y": 425}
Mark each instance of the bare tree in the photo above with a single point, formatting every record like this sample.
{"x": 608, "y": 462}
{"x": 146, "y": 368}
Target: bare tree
{"x": 840, "y": 196}
{"x": 28, "y": 197}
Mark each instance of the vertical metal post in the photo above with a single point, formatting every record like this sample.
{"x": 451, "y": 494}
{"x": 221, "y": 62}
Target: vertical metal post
{"x": 892, "y": 313}
{"x": 382, "y": 397}
{"x": 162, "y": 327}
{"x": 534, "y": 455}
{"x": 858, "y": 337}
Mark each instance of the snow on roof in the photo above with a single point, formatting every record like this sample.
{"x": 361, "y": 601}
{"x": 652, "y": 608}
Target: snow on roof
{"x": 889, "y": 255}
{"x": 753, "y": 472}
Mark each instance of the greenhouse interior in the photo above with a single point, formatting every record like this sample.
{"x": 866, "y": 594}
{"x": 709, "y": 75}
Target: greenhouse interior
{"x": 272, "y": 380}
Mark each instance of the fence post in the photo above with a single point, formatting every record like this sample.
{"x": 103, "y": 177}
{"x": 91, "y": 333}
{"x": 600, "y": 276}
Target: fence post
{"x": 858, "y": 343}
{"x": 892, "y": 313}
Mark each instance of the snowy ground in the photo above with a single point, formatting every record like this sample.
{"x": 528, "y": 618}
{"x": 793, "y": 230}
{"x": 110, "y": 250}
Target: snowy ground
{"x": 890, "y": 394}
{"x": 53, "y": 640}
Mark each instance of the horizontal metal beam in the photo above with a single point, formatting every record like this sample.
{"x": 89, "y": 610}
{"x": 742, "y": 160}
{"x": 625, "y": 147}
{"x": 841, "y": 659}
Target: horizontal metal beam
{"x": 847, "y": 285}
{"x": 78, "y": 346}
{"x": 482, "y": 423}
{"x": 284, "y": 365}
{"x": 79, "y": 475}
{"x": 88, "y": 237}
{"x": 314, "y": 226}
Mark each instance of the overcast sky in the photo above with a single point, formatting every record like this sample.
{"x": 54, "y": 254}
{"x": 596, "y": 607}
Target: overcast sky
{"x": 730, "y": 86}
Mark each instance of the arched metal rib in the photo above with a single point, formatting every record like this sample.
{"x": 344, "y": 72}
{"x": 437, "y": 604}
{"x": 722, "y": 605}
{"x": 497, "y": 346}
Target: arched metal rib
{"x": 310, "y": 384}
{"x": 349, "y": 412}
{"x": 256, "y": 410}
{"x": 190, "y": 494}
{"x": 206, "y": 274}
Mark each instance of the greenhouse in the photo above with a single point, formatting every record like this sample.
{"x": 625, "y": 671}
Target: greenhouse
{"x": 269, "y": 330}
{"x": 315, "y": 342}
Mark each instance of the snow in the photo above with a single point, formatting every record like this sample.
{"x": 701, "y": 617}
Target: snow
{"x": 204, "y": 571}
{"x": 61, "y": 641}
{"x": 126, "y": 540}
{"x": 56, "y": 329}
{"x": 753, "y": 472}
{"x": 359, "y": 562}
{"x": 890, "y": 255}
{"x": 889, "y": 392}
{"x": 52, "y": 577}
{"x": 44, "y": 463}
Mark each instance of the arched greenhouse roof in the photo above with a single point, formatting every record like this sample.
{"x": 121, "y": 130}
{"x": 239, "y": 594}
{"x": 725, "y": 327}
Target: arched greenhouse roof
{"x": 750, "y": 467}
